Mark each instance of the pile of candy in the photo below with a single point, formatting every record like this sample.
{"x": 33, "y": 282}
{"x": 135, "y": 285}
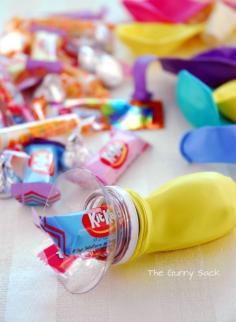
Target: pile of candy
{"x": 64, "y": 64}
{"x": 57, "y": 74}
{"x": 49, "y": 64}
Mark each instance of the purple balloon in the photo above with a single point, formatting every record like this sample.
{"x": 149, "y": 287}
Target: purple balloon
{"x": 213, "y": 67}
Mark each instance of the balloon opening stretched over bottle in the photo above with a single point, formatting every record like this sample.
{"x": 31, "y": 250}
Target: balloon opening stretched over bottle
{"x": 92, "y": 226}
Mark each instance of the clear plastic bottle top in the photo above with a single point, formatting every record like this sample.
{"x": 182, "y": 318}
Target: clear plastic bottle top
{"x": 91, "y": 224}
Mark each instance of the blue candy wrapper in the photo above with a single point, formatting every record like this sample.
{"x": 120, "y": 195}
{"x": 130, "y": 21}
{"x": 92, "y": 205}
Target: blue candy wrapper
{"x": 43, "y": 163}
{"x": 80, "y": 232}
{"x": 40, "y": 173}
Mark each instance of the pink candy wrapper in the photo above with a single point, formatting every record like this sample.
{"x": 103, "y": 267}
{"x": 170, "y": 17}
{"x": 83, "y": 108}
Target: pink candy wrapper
{"x": 116, "y": 156}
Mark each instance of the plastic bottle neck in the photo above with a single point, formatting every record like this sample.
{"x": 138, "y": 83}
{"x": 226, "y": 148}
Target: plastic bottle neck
{"x": 145, "y": 222}
{"x": 126, "y": 218}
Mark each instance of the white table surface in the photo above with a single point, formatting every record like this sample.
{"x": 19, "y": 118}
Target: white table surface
{"x": 29, "y": 292}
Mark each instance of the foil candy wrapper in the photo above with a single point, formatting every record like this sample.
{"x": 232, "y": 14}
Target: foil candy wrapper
{"x": 105, "y": 66}
{"x": 109, "y": 71}
{"x": 136, "y": 115}
{"x": 11, "y": 67}
{"x": 118, "y": 113}
{"x": 13, "y": 42}
{"x": 88, "y": 58}
{"x": 51, "y": 89}
{"x": 39, "y": 108}
{"x": 10, "y": 94}
{"x": 76, "y": 152}
{"x": 71, "y": 84}
{"x": 8, "y": 175}
{"x": 103, "y": 37}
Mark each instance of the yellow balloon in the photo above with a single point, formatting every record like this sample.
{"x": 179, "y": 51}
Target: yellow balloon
{"x": 160, "y": 39}
{"x": 187, "y": 211}
{"x": 225, "y": 98}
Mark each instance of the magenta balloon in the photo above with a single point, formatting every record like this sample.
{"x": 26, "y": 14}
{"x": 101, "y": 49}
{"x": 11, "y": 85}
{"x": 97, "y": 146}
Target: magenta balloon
{"x": 164, "y": 10}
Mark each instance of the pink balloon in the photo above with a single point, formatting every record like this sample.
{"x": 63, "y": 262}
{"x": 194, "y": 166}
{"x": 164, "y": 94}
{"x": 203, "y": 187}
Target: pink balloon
{"x": 165, "y": 10}
{"x": 144, "y": 11}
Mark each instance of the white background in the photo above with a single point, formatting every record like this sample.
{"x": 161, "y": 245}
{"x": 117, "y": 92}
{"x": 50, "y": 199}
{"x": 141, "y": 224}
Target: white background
{"x": 29, "y": 292}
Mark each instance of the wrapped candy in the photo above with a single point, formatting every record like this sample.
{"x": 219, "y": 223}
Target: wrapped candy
{"x": 116, "y": 156}
{"x": 45, "y": 46}
{"x": 76, "y": 153}
{"x": 109, "y": 71}
{"x": 69, "y": 85}
{"x": 14, "y": 41}
{"x": 8, "y": 173}
{"x": 84, "y": 14}
{"x": 80, "y": 231}
{"x": 39, "y": 108}
{"x": 119, "y": 113}
{"x": 139, "y": 115}
{"x": 13, "y": 108}
{"x": 12, "y": 67}
{"x": 105, "y": 66}
{"x": 58, "y": 262}
{"x": 51, "y": 89}
{"x": 31, "y": 182}
{"x": 64, "y": 25}
{"x": 40, "y": 173}
{"x": 9, "y": 93}
{"x": 22, "y": 133}
{"x": 88, "y": 58}
{"x": 6, "y": 115}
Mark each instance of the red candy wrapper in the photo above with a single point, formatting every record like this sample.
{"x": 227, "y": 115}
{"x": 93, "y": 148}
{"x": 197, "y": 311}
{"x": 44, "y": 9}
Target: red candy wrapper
{"x": 116, "y": 156}
{"x": 59, "y": 263}
{"x": 152, "y": 114}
